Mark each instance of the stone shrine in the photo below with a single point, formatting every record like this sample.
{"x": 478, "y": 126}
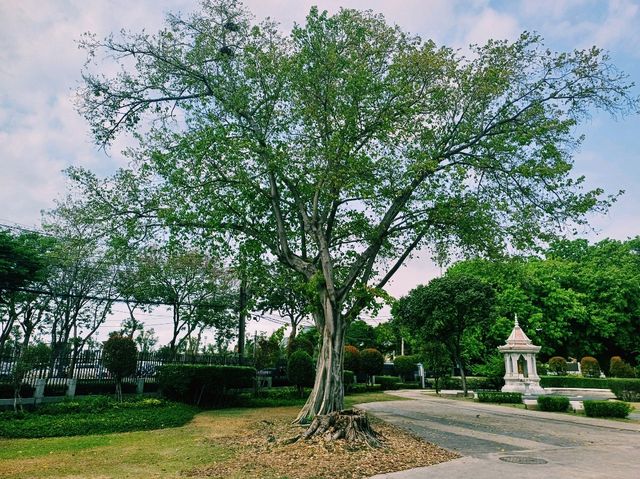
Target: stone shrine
{"x": 521, "y": 375}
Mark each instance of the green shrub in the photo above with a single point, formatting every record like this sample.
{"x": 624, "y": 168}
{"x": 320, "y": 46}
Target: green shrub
{"x": 413, "y": 385}
{"x": 473, "y": 383}
{"x": 72, "y": 419}
{"x": 98, "y": 387}
{"x": 590, "y": 367}
{"x": 348, "y": 379}
{"x": 558, "y": 365}
{"x": 388, "y": 383}
{"x": 351, "y": 359}
{"x": 120, "y": 357}
{"x": 55, "y": 389}
{"x": 625, "y": 389}
{"x": 553, "y": 403}
{"x": 573, "y": 382}
{"x": 405, "y": 366}
{"x": 7, "y": 390}
{"x": 500, "y": 397}
{"x": 607, "y": 408}
{"x": 299, "y": 344}
{"x": 365, "y": 388}
{"x": 371, "y": 361}
{"x": 203, "y": 385}
{"x": 300, "y": 370}
{"x": 620, "y": 369}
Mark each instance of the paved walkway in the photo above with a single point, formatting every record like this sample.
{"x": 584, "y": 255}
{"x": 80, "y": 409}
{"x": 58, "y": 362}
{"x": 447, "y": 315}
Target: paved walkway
{"x": 551, "y": 445}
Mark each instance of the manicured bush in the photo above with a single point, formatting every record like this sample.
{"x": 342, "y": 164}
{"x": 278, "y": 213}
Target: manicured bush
{"x": 590, "y": 367}
{"x": 365, "y": 388}
{"x": 413, "y": 385}
{"x": 500, "y": 397}
{"x": 351, "y": 359}
{"x": 620, "y": 369}
{"x": 300, "y": 370}
{"x": 120, "y": 357}
{"x": 371, "y": 361}
{"x": 203, "y": 384}
{"x": 473, "y": 383}
{"x": 553, "y": 403}
{"x": 75, "y": 418}
{"x": 300, "y": 344}
{"x": 607, "y": 409}
{"x": 348, "y": 379}
{"x": 558, "y": 366}
{"x": 388, "y": 383}
{"x": 85, "y": 388}
{"x": 573, "y": 382}
{"x": 405, "y": 366}
{"x": 625, "y": 389}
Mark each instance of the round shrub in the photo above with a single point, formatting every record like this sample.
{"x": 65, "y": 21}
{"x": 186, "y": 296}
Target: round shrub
{"x": 300, "y": 370}
{"x": 300, "y": 344}
{"x": 371, "y": 361}
{"x": 558, "y": 366}
{"x": 120, "y": 357}
{"x": 553, "y": 403}
{"x": 405, "y": 366}
{"x": 590, "y": 367}
{"x": 620, "y": 369}
{"x": 352, "y": 359}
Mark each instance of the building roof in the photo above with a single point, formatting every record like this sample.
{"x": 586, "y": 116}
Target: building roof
{"x": 518, "y": 341}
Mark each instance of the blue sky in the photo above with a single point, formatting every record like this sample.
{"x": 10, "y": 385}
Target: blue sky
{"x": 40, "y": 133}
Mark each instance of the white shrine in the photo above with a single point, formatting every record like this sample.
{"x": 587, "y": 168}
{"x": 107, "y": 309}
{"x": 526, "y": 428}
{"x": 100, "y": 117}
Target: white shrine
{"x": 521, "y": 375}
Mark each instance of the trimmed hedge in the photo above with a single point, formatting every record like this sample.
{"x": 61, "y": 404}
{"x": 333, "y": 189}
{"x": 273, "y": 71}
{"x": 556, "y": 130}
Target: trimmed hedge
{"x": 75, "y": 418}
{"x": 500, "y": 397}
{"x": 573, "y": 382}
{"x": 86, "y": 388}
{"x": 348, "y": 379}
{"x": 6, "y": 390}
{"x": 553, "y": 403}
{"x": 625, "y": 389}
{"x": 474, "y": 383}
{"x": 364, "y": 388}
{"x": 203, "y": 384}
{"x": 607, "y": 408}
{"x": 388, "y": 383}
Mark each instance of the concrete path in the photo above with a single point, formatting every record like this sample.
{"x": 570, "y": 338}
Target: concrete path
{"x": 502, "y": 442}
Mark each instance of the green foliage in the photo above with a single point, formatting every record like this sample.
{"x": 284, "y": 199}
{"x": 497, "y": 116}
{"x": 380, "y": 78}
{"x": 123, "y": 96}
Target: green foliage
{"x": 348, "y": 379}
{"x": 590, "y": 367}
{"x": 405, "y": 366}
{"x": 20, "y": 262}
{"x": 98, "y": 415}
{"x": 607, "y": 409}
{"x": 120, "y": 356}
{"x": 361, "y": 335}
{"x": 299, "y": 344}
{"x": 352, "y": 358}
{"x": 436, "y": 361}
{"x": 620, "y": 369}
{"x": 371, "y": 361}
{"x": 492, "y": 369}
{"x": 558, "y": 365}
{"x": 573, "y": 382}
{"x": 365, "y": 388}
{"x": 500, "y": 397}
{"x": 203, "y": 385}
{"x": 388, "y": 382}
{"x": 300, "y": 370}
{"x": 473, "y": 383}
{"x": 553, "y": 403}
{"x": 625, "y": 389}
{"x": 7, "y": 390}
{"x": 87, "y": 387}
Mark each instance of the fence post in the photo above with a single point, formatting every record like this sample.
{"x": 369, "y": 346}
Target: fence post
{"x": 39, "y": 392}
{"x": 140, "y": 386}
{"x": 71, "y": 387}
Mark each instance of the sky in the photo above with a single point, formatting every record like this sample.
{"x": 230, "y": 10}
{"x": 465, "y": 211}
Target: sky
{"x": 41, "y": 134}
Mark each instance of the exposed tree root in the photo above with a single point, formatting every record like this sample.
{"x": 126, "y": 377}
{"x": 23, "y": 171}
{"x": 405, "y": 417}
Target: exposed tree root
{"x": 352, "y": 425}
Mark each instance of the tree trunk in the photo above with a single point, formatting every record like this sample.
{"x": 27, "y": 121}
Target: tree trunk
{"x": 463, "y": 377}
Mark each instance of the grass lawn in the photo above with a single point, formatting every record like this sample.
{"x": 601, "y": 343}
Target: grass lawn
{"x": 211, "y": 439}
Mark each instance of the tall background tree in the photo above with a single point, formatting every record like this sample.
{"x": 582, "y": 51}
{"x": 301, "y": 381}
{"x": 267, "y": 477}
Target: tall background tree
{"x": 341, "y": 148}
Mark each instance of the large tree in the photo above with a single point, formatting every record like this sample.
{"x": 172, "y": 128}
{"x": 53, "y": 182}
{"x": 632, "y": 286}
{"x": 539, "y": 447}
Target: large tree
{"x": 341, "y": 148}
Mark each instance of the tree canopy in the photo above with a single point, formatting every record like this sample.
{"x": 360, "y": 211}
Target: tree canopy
{"x": 339, "y": 149}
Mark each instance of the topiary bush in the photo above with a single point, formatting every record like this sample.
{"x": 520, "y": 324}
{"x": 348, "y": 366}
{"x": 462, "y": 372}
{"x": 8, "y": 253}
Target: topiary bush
{"x": 500, "y": 397}
{"x": 620, "y": 369}
{"x": 204, "y": 385}
{"x": 388, "y": 383}
{"x": 405, "y": 366}
{"x": 590, "y": 367}
{"x": 300, "y": 370}
{"x": 348, "y": 379}
{"x": 299, "y": 344}
{"x": 351, "y": 359}
{"x": 553, "y": 403}
{"x": 625, "y": 389}
{"x": 371, "y": 362}
{"x": 558, "y": 366}
{"x": 120, "y": 357}
{"x": 607, "y": 409}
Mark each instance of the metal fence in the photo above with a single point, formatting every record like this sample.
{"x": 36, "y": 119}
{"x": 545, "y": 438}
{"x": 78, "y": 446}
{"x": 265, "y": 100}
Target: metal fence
{"x": 88, "y": 365}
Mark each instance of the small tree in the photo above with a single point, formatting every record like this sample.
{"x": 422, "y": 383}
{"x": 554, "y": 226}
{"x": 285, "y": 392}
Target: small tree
{"x": 30, "y": 357}
{"x": 299, "y": 344}
{"x": 558, "y": 366}
{"x": 352, "y": 359}
{"x": 590, "y": 367}
{"x": 371, "y": 363}
{"x": 300, "y": 370}
{"x": 405, "y": 366}
{"x": 120, "y": 356}
{"x": 437, "y": 362}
